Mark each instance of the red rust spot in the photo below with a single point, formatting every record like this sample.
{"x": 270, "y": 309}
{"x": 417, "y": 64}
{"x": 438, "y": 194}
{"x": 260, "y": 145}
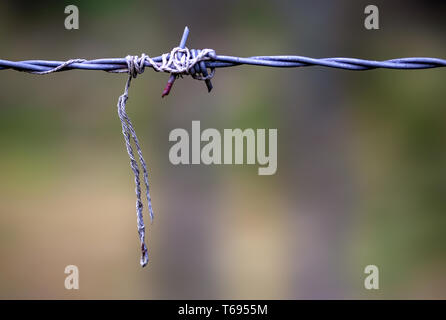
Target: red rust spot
{"x": 167, "y": 88}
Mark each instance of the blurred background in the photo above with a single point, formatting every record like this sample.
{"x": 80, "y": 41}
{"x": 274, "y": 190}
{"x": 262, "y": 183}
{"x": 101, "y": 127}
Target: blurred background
{"x": 361, "y": 173}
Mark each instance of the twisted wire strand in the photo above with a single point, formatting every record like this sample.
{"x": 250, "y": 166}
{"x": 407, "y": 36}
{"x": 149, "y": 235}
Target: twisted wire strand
{"x": 168, "y": 63}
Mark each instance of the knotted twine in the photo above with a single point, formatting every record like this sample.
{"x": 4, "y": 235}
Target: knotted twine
{"x": 178, "y": 62}
{"x": 129, "y": 132}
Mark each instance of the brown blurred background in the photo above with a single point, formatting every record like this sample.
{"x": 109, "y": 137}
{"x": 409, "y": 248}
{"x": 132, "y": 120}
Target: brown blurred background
{"x": 361, "y": 173}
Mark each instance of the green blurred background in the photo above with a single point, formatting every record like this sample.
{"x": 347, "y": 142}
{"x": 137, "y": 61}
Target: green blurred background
{"x": 361, "y": 173}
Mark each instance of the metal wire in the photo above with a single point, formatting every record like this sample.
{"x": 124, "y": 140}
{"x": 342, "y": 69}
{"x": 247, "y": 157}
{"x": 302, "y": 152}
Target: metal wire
{"x": 221, "y": 61}
{"x": 200, "y": 70}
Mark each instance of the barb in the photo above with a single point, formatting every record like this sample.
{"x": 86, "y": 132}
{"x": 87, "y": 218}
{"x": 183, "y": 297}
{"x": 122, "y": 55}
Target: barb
{"x": 200, "y": 65}
{"x": 173, "y": 77}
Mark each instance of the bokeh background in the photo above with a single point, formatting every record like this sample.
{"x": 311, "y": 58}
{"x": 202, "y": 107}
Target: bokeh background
{"x": 361, "y": 173}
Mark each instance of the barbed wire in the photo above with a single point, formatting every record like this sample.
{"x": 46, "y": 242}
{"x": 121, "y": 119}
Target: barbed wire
{"x": 222, "y": 61}
{"x": 201, "y": 65}
{"x": 197, "y": 62}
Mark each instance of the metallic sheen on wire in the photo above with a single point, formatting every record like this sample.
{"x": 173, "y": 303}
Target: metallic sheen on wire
{"x": 221, "y": 61}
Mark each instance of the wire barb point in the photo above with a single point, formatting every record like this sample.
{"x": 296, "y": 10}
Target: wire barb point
{"x": 172, "y": 77}
{"x": 168, "y": 86}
